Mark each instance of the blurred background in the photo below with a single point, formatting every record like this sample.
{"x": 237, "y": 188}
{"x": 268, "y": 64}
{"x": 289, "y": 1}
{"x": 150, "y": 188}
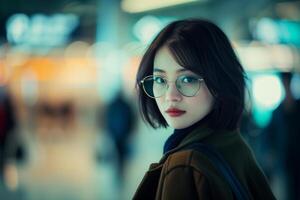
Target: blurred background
{"x": 69, "y": 122}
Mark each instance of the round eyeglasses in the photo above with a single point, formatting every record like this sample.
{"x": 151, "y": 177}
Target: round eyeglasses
{"x": 156, "y": 86}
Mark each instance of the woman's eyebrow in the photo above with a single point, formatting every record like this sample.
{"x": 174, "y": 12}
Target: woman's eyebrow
{"x": 177, "y": 71}
{"x": 158, "y": 70}
{"x": 182, "y": 70}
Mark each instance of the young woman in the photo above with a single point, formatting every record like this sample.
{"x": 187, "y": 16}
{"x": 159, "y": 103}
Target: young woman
{"x": 191, "y": 79}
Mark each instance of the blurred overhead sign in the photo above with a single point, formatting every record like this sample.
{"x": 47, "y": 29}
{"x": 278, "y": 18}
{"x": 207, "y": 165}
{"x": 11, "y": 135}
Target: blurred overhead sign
{"x": 40, "y": 30}
{"x": 135, "y": 6}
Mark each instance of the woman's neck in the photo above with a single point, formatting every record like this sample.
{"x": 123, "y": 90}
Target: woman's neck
{"x": 179, "y": 134}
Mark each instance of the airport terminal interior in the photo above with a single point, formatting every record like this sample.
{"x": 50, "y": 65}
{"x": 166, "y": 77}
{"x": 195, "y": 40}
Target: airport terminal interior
{"x": 70, "y": 126}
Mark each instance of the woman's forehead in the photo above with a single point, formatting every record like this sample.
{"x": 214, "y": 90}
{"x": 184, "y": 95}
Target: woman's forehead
{"x": 165, "y": 62}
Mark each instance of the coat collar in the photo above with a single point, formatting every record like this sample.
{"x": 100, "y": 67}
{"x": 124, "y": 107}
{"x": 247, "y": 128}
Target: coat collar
{"x": 204, "y": 134}
{"x": 198, "y": 134}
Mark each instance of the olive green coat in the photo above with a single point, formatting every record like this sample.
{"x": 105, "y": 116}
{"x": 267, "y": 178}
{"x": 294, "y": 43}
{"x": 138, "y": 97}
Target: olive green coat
{"x": 189, "y": 175}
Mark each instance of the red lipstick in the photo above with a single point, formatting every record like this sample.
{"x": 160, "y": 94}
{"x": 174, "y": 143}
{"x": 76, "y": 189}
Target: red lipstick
{"x": 174, "y": 112}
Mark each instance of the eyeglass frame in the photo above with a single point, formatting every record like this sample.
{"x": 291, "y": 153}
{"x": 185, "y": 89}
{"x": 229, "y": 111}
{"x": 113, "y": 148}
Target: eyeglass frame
{"x": 142, "y": 83}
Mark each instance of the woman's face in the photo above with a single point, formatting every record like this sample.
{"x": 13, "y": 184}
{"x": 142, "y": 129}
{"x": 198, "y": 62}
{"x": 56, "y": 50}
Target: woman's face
{"x": 180, "y": 111}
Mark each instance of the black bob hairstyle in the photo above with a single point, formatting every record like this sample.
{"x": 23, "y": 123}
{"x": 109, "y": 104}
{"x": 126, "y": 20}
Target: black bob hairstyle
{"x": 202, "y": 47}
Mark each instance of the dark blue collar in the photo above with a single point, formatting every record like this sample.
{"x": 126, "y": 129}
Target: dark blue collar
{"x": 178, "y": 135}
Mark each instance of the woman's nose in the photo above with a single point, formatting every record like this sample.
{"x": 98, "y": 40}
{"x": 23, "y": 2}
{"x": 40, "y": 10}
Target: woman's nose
{"x": 172, "y": 93}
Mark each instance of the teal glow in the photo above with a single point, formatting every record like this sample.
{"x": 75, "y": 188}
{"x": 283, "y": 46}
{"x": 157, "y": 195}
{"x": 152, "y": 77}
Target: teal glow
{"x": 267, "y": 30}
{"x": 17, "y": 27}
{"x": 278, "y": 31}
{"x": 295, "y": 86}
{"x": 40, "y": 30}
{"x": 289, "y": 31}
{"x": 267, "y": 93}
{"x": 261, "y": 116}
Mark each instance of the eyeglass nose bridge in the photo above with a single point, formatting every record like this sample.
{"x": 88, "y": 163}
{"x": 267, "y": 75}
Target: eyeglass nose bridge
{"x": 168, "y": 85}
{"x": 177, "y": 87}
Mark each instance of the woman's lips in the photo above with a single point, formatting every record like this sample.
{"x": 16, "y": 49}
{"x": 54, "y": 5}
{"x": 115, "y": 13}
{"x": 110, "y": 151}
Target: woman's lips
{"x": 174, "y": 112}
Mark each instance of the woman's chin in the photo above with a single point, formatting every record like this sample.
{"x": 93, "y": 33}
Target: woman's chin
{"x": 178, "y": 125}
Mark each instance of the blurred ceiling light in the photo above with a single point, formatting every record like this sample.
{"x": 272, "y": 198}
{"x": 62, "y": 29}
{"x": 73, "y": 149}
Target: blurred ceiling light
{"x": 267, "y": 91}
{"x": 146, "y": 28}
{"x": 255, "y": 57}
{"x": 259, "y": 56}
{"x": 267, "y": 30}
{"x": 135, "y": 6}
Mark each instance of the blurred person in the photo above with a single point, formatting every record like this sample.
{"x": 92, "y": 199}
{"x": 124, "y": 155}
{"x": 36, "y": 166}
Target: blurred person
{"x": 190, "y": 79}
{"x": 59, "y": 114}
{"x": 281, "y": 141}
{"x": 120, "y": 123}
{"x": 7, "y": 123}
{"x": 7, "y": 126}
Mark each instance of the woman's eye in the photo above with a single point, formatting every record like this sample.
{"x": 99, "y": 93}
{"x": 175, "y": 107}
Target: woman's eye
{"x": 158, "y": 80}
{"x": 189, "y": 79}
